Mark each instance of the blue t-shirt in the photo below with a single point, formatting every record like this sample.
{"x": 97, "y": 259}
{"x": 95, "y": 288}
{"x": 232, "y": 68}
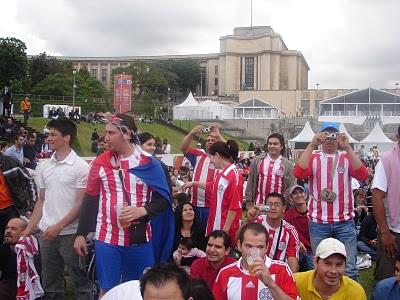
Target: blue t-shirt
{"x": 387, "y": 289}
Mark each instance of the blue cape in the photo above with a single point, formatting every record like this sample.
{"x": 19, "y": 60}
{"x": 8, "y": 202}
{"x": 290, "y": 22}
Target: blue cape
{"x": 163, "y": 225}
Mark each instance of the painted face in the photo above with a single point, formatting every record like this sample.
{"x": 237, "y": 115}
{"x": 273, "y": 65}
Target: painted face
{"x": 277, "y": 208}
{"x": 149, "y": 146}
{"x": 274, "y": 147}
{"x": 252, "y": 240}
{"x": 187, "y": 213}
{"x": 216, "y": 250}
{"x": 331, "y": 269}
{"x": 56, "y": 140}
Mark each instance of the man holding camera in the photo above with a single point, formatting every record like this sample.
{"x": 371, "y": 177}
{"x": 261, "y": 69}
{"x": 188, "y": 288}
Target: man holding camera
{"x": 331, "y": 204}
{"x": 204, "y": 170}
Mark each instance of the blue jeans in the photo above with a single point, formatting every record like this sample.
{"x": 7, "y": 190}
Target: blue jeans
{"x": 118, "y": 264}
{"x": 202, "y": 216}
{"x": 365, "y": 248}
{"x": 306, "y": 262}
{"x": 344, "y": 232}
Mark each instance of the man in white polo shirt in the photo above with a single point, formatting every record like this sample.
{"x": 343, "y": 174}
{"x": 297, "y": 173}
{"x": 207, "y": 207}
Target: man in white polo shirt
{"x": 62, "y": 183}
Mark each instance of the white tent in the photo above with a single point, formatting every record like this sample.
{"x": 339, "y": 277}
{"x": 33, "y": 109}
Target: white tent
{"x": 305, "y": 136}
{"x": 378, "y": 138}
{"x": 344, "y": 130}
{"x": 216, "y": 110}
{"x": 186, "y": 110}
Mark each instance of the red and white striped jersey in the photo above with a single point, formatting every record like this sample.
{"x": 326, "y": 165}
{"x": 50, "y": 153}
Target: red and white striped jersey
{"x": 271, "y": 178}
{"x": 203, "y": 171}
{"x": 226, "y": 194}
{"x": 235, "y": 283}
{"x": 319, "y": 175}
{"x": 288, "y": 244}
{"x": 105, "y": 182}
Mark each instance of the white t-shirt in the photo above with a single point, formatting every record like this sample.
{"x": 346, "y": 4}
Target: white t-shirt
{"x": 60, "y": 181}
{"x": 125, "y": 291}
{"x": 380, "y": 183}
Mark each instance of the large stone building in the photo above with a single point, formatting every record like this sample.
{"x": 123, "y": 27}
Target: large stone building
{"x": 251, "y": 59}
{"x": 253, "y": 63}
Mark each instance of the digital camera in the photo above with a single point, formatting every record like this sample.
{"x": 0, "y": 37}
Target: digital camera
{"x": 264, "y": 208}
{"x": 205, "y": 130}
{"x": 330, "y": 136}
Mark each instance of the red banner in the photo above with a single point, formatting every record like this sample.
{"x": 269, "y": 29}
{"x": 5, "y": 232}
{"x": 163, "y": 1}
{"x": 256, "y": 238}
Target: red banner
{"x": 122, "y": 93}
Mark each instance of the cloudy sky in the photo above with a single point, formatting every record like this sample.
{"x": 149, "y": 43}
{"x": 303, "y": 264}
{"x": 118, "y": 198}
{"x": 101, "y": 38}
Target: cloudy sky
{"x": 347, "y": 43}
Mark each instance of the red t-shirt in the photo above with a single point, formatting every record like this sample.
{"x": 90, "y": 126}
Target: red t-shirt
{"x": 300, "y": 222}
{"x": 201, "y": 269}
{"x": 234, "y": 282}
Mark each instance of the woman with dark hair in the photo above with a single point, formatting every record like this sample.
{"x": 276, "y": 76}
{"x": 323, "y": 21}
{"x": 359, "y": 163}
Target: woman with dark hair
{"x": 148, "y": 144}
{"x": 225, "y": 189}
{"x": 187, "y": 226}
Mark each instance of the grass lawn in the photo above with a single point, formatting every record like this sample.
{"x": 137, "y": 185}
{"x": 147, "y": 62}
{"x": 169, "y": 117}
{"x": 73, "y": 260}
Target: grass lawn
{"x": 367, "y": 279}
{"x": 83, "y": 143}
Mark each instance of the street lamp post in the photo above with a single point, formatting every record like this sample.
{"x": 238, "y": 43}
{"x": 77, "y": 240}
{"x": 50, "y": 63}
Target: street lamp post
{"x": 395, "y": 98}
{"x": 73, "y": 91}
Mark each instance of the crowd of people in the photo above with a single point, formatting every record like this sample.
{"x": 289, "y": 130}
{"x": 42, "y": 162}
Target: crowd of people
{"x": 221, "y": 226}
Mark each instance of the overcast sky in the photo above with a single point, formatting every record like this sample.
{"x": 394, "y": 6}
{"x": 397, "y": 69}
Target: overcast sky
{"x": 347, "y": 43}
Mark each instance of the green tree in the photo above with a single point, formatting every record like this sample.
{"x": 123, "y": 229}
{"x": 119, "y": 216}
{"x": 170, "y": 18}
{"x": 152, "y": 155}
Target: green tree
{"x": 42, "y": 65}
{"x": 13, "y": 61}
{"x": 186, "y": 70}
{"x": 60, "y": 84}
{"x": 251, "y": 146}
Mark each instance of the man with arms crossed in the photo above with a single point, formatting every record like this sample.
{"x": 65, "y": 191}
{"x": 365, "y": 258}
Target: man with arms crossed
{"x": 62, "y": 183}
{"x": 269, "y": 173}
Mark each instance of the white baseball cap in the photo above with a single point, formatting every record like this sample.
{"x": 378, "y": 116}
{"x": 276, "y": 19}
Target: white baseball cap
{"x": 330, "y": 246}
{"x": 296, "y": 186}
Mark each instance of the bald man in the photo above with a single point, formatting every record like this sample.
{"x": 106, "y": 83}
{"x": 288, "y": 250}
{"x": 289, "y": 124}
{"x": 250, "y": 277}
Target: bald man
{"x": 8, "y": 262}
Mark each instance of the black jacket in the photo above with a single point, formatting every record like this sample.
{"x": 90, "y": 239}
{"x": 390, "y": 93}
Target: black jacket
{"x": 20, "y": 184}
{"x": 368, "y": 229}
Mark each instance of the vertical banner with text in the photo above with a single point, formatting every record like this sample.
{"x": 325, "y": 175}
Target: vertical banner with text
{"x": 122, "y": 93}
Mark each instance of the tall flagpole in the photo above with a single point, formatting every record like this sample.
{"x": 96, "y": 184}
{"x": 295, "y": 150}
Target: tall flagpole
{"x": 251, "y": 15}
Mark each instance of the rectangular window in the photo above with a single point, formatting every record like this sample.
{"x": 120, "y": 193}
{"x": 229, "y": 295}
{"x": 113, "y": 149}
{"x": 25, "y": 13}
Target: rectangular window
{"x": 94, "y": 73}
{"x": 216, "y": 70}
{"x": 104, "y": 75}
{"x": 249, "y": 73}
{"x": 216, "y": 81}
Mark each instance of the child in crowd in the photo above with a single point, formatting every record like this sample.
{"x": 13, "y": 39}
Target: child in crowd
{"x": 186, "y": 251}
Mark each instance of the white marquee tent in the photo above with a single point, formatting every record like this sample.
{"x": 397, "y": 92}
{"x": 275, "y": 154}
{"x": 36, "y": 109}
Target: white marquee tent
{"x": 344, "y": 130}
{"x": 377, "y": 138}
{"x": 215, "y": 110}
{"x": 191, "y": 110}
{"x": 186, "y": 110}
{"x": 305, "y": 136}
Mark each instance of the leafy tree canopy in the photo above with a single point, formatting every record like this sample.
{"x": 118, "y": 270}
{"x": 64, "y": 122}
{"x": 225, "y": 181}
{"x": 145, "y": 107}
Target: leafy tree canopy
{"x": 13, "y": 61}
{"x": 42, "y": 65}
{"x": 61, "y": 84}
